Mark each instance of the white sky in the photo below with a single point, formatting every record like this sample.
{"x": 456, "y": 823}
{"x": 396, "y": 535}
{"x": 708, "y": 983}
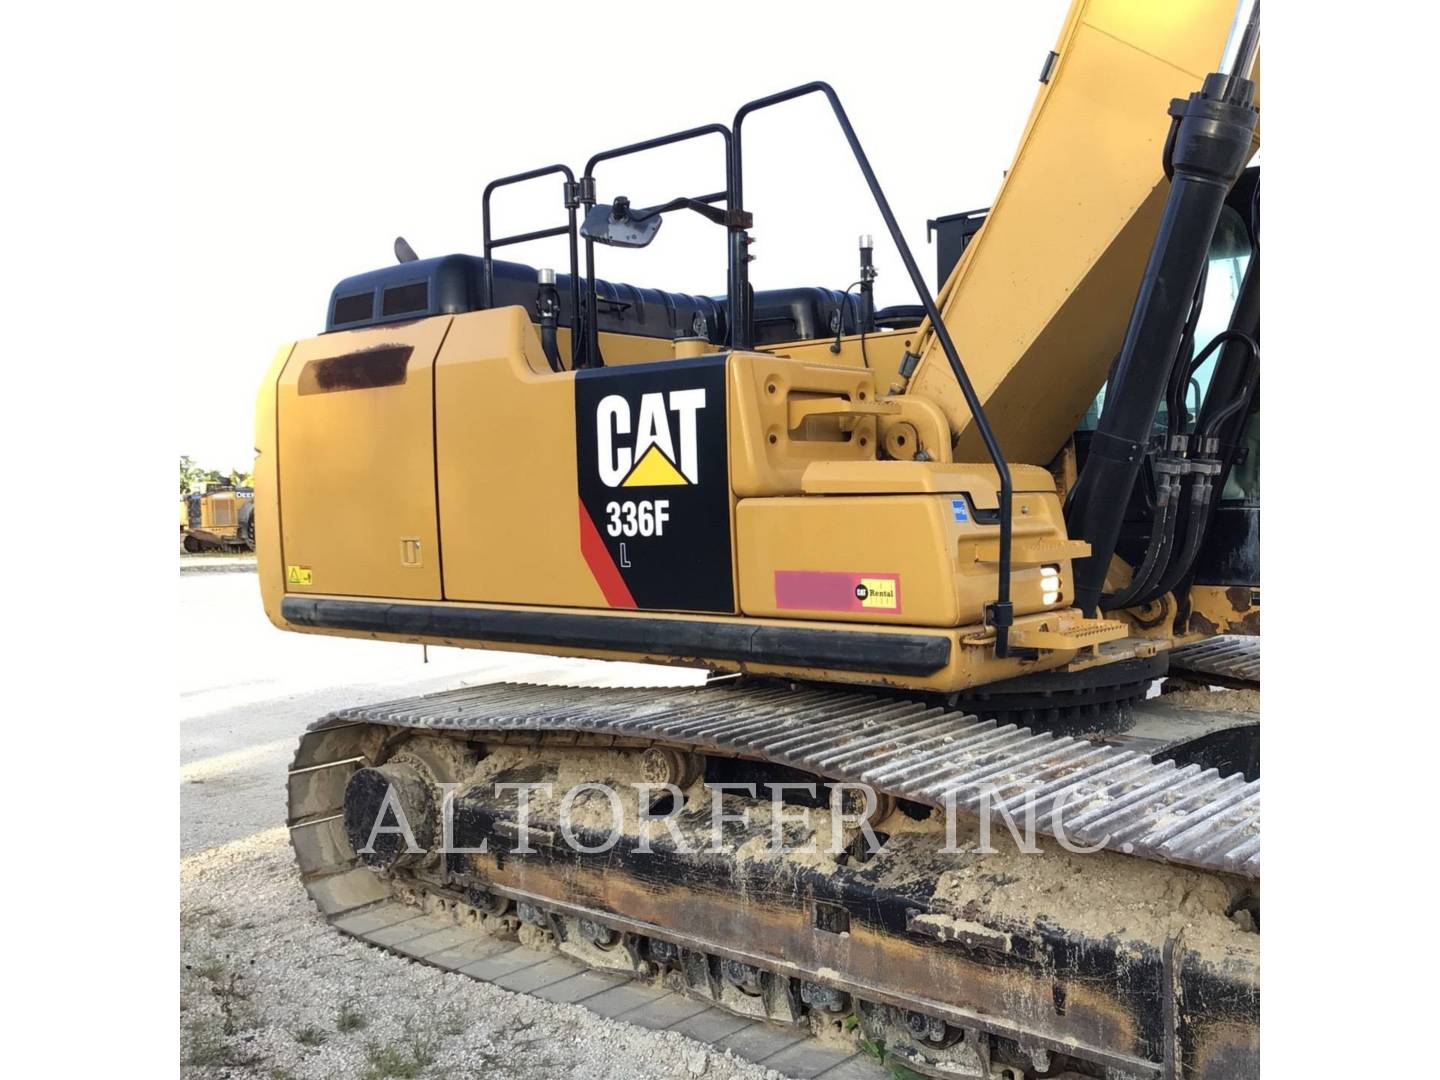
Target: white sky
{"x": 310, "y": 138}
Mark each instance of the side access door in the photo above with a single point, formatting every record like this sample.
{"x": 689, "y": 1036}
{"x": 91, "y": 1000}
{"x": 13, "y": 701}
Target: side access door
{"x": 357, "y": 463}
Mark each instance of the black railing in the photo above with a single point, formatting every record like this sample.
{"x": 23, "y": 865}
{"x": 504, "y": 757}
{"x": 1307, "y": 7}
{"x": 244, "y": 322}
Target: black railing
{"x": 1002, "y": 612}
{"x": 572, "y": 203}
{"x": 740, "y": 313}
{"x": 735, "y": 274}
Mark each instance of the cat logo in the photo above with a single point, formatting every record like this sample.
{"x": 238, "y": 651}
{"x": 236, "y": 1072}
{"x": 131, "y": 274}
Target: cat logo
{"x": 652, "y": 471}
{"x": 659, "y": 449}
{"x": 878, "y": 592}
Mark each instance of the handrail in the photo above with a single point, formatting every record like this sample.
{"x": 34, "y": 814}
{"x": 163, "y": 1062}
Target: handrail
{"x": 735, "y": 271}
{"x": 571, "y": 203}
{"x": 1002, "y": 611}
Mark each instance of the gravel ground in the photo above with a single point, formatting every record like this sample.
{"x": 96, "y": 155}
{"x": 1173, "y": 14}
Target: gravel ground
{"x": 217, "y": 561}
{"x": 267, "y": 989}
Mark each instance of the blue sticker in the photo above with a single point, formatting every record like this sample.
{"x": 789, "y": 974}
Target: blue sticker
{"x": 957, "y": 507}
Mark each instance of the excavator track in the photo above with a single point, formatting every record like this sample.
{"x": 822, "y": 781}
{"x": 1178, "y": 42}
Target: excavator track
{"x": 1225, "y": 660}
{"x": 944, "y": 960}
{"x": 1092, "y": 794}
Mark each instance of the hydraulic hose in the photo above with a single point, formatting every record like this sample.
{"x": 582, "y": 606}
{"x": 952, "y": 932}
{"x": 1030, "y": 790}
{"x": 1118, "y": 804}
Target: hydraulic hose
{"x": 1164, "y": 574}
{"x": 1216, "y": 420}
{"x": 1200, "y": 493}
{"x": 1176, "y": 414}
{"x": 1159, "y": 545}
{"x": 1212, "y": 142}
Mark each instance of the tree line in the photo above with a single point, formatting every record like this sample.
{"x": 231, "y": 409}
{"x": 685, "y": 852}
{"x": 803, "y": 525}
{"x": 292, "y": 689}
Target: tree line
{"x": 194, "y": 478}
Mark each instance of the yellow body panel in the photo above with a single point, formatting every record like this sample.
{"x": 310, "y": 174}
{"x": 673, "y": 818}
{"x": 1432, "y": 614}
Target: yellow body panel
{"x": 914, "y": 542}
{"x": 768, "y": 456}
{"x": 980, "y": 482}
{"x": 505, "y": 427}
{"x": 357, "y": 472}
{"x": 1222, "y": 609}
{"x": 880, "y": 352}
{"x": 620, "y": 350}
{"x": 269, "y": 563}
{"x": 345, "y": 474}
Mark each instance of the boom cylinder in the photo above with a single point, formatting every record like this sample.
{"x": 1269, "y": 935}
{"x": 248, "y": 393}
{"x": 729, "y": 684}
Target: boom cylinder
{"x": 1208, "y": 148}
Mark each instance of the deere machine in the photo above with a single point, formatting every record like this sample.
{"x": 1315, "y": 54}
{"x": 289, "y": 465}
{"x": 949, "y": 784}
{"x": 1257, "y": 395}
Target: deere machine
{"x": 935, "y": 557}
{"x": 222, "y": 517}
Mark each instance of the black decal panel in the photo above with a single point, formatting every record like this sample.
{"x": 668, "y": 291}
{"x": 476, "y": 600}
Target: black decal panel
{"x": 655, "y": 484}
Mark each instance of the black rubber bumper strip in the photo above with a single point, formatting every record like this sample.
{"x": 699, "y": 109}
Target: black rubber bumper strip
{"x": 841, "y": 650}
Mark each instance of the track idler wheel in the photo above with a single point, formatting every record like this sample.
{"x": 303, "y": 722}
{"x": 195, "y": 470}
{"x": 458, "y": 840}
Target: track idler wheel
{"x": 387, "y": 807}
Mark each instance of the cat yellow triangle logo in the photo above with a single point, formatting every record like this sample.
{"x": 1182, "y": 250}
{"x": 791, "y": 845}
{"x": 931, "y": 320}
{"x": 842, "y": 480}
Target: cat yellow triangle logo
{"x": 654, "y": 469}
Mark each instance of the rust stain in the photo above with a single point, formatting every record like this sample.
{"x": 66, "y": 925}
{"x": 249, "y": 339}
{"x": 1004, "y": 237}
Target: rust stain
{"x": 1199, "y": 624}
{"x": 784, "y": 935}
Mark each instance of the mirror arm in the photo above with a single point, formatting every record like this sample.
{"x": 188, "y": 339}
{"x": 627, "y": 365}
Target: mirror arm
{"x": 731, "y": 219}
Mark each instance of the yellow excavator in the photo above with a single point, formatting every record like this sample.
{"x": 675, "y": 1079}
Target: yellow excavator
{"x": 936, "y": 558}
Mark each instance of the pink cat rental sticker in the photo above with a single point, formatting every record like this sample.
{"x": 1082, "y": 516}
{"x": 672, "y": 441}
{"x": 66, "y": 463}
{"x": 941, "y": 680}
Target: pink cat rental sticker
{"x": 828, "y": 590}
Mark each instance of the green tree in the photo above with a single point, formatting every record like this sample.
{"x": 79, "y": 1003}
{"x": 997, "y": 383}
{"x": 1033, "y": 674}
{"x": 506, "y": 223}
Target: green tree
{"x": 192, "y": 477}
{"x": 195, "y": 479}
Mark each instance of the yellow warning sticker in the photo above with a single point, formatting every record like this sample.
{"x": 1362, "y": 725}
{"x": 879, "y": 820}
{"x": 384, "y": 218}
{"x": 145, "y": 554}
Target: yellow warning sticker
{"x": 298, "y": 575}
{"x": 878, "y": 592}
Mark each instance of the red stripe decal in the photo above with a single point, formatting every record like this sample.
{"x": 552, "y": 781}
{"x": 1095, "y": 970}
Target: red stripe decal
{"x": 602, "y": 566}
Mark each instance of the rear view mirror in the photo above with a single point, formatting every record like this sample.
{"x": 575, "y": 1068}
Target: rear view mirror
{"x": 616, "y": 226}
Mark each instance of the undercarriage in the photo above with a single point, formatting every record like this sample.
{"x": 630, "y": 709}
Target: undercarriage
{"x": 822, "y": 859}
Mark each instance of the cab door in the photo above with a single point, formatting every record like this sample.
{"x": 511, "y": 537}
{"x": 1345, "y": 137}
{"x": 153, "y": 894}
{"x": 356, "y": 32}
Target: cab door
{"x": 357, "y": 463}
